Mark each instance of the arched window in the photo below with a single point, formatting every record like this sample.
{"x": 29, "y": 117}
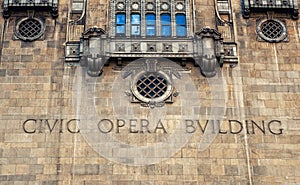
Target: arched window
{"x": 135, "y": 24}
{"x": 165, "y": 25}
{"x": 180, "y": 25}
{"x": 150, "y": 24}
{"x": 120, "y": 23}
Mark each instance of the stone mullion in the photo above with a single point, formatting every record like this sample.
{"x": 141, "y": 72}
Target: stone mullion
{"x": 112, "y": 19}
{"x": 143, "y": 19}
{"x": 128, "y": 23}
{"x": 187, "y": 18}
{"x": 173, "y": 23}
{"x": 157, "y": 21}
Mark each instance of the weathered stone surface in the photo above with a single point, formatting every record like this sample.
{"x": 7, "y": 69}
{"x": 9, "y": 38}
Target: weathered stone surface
{"x": 13, "y": 178}
{"x": 36, "y": 84}
{"x": 50, "y": 183}
{"x": 26, "y": 58}
{"x": 2, "y": 72}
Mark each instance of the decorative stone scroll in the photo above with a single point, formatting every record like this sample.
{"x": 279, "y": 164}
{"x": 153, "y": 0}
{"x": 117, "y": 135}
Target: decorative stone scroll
{"x": 210, "y": 51}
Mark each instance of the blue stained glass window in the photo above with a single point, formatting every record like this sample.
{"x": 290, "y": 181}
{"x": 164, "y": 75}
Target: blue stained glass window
{"x": 120, "y": 29}
{"x": 180, "y": 19}
{"x": 180, "y": 25}
{"x": 150, "y": 30}
{"x": 121, "y": 18}
{"x": 165, "y": 31}
{"x": 135, "y": 19}
{"x": 165, "y": 25}
{"x": 150, "y": 19}
{"x": 120, "y": 24}
{"x": 165, "y": 18}
{"x": 150, "y": 24}
{"x": 135, "y": 24}
{"x": 181, "y": 31}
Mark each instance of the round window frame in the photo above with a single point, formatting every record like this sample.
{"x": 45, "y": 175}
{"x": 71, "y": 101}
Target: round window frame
{"x": 183, "y": 6}
{"x": 135, "y": 4}
{"x": 164, "y": 97}
{"x": 122, "y": 4}
{"x": 21, "y": 37}
{"x": 150, "y": 4}
{"x": 166, "y": 8}
{"x": 263, "y": 37}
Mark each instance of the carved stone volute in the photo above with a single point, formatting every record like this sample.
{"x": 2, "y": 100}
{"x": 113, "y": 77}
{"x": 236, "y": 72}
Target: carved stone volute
{"x": 93, "y": 50}
{"x": 210, "y": 51}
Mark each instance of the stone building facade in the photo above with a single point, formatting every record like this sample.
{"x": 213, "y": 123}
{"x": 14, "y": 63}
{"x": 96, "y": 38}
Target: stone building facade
{"x": 131, "y": 92}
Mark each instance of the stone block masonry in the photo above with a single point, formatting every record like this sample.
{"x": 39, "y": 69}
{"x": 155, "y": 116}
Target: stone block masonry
{"x": 42, "y": 141}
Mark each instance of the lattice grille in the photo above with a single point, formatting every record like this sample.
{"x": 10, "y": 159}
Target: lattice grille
{"x": 29, "y": 29}
{"x": 152, "y": 86}
{"x": 272, "y": 29}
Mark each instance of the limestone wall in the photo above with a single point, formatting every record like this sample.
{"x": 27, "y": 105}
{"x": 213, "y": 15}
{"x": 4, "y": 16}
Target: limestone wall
{"x": 41, "y": 144}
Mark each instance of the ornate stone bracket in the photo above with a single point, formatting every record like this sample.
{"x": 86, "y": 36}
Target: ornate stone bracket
{"x": 8, "y": 6}
{"x": 92, "y": 50}
{"x": 95, "y": 65}
{"x": 206, "y": 48}
{"x": 210, "y": 51}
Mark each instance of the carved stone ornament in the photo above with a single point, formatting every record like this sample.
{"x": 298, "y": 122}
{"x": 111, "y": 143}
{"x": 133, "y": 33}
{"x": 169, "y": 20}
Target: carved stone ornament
{"x": 72, "y": 53}
{"x": 136, "y": 47}
{"x": 93, "y": 32}
{"x": 210, "y": 51}
{"x": 95, "y": 65}
{"x": 120, "y": 47}
{"x": 206, "y": 48}
{"x": 151, "y": 83}
{"x": 151, "y": 47}
{"x": 183, "y": 47}
{"x": 167, "y": 47}
{"x": 93, "y": 55}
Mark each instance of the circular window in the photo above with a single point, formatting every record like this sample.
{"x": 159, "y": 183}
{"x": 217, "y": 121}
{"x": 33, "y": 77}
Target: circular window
{"x": 29, "y": 29}
{"x": 272, "y": 30}
{"x": 154, "y": 86}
